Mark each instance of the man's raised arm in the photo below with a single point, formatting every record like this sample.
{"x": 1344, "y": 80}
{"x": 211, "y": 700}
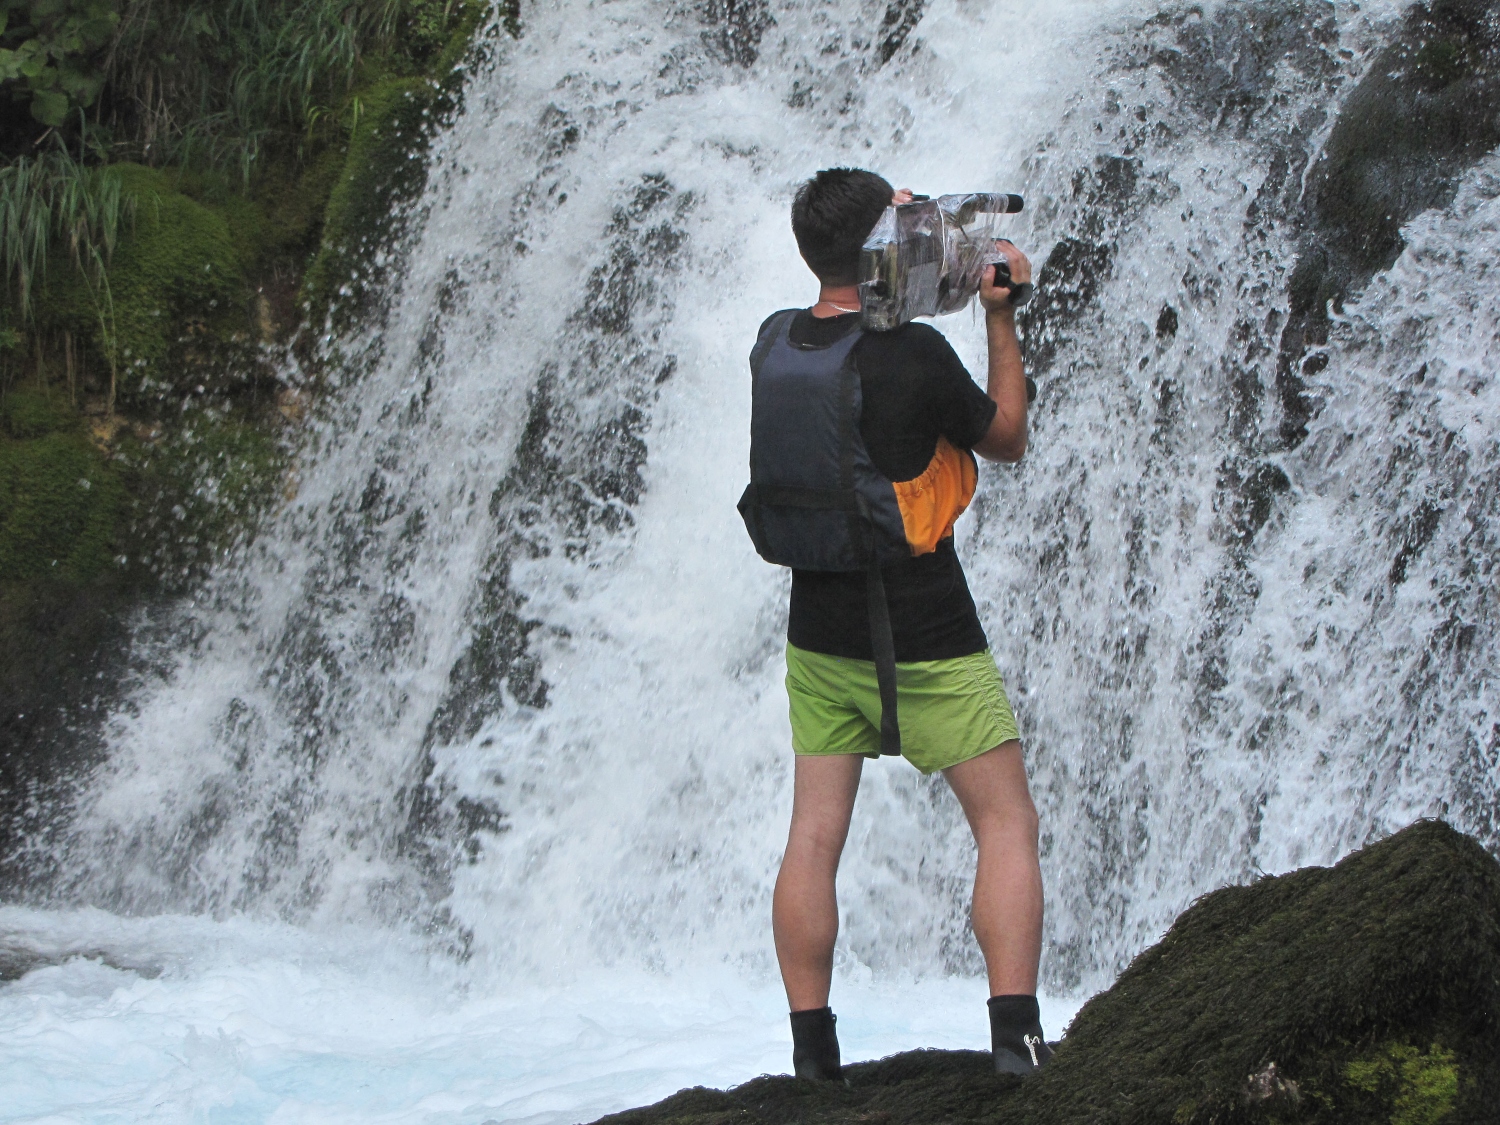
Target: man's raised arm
{"x": 1005, "y": 440}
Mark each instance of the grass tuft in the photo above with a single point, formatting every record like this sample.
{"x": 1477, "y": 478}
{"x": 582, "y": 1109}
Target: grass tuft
{"x": 52, "y": 202}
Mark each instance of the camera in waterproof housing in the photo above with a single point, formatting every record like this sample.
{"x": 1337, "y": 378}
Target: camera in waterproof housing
{"x": 927, "y": 257}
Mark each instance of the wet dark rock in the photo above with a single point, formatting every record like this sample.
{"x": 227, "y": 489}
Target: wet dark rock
{"x": 63, "y": 648}
{"x": 1246, "y": 497}
{"x": 1108, "y": 195}
{"x": 736, "y": 29}
{"x": 900, "y": 17}
{"x": 1427, "y": 110}
{"x": 1368, "y": 992}
{"x": 577, "y": 472}
{"x": 1417, "y": 533}
{"x": 1166, "y": 323}
{"x": 1227, "y": 64}
{"x": 1067, "y": 284}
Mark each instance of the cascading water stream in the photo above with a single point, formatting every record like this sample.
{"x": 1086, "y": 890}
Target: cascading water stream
{"x": 506, "y": 672}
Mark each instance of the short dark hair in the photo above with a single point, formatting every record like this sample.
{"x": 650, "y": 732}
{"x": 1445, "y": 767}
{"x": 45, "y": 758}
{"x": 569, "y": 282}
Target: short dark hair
{"x": 832, "y": 215}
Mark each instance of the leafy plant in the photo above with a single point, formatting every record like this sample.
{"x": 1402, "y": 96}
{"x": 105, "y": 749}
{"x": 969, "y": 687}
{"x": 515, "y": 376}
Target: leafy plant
{"x": 49, "y": 49}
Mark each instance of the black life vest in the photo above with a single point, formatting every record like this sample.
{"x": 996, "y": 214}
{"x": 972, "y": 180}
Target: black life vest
{"x": 815, "y": 499}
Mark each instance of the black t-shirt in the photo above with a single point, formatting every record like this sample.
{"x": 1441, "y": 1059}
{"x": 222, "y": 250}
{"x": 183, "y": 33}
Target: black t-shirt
{"x": 914, "y": 390}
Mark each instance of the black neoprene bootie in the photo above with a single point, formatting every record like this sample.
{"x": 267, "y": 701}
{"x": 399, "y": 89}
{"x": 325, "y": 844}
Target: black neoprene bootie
{"x": 1016, "y": 1035}
{"x": 815, "y": 1045}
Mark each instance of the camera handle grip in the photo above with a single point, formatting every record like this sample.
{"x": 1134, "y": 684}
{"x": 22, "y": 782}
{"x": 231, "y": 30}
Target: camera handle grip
{"x": 1020, "y": 291}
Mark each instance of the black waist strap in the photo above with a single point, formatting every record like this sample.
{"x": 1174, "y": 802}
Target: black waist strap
{"x": 818, "y": 499}
{"x": 884, "y": 647}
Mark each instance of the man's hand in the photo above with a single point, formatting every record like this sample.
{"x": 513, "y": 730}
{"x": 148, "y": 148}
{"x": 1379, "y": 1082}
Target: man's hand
{"x": 903, "y": 195}
{"x": 996, "y": 298}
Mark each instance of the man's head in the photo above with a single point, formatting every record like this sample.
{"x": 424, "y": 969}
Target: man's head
{"x": 832, "y": 215}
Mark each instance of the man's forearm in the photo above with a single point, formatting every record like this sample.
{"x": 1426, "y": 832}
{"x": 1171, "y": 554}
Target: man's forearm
{"x": 1006, "y": 438}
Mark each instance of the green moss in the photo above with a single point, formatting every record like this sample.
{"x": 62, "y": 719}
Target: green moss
{"x": 464, "y": 29}
{"x": 197, "y": 491}
{"x": 1418, "y": 1087}
{"x": 224, "y": 196}
{"x": 438, "y": 33}
{"x": 292, "y": 198}
{"x": 176, "y": 271}
{"x": 384, "y": 167}
{"x": 29, "y": 413}
{"x": 159, "y": 510}
{"x": 59, "y": 507}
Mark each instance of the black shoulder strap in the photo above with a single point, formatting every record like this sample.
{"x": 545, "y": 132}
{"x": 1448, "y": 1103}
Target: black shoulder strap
{"x": 751, "y": 500}
{"x": 774, "y": 328}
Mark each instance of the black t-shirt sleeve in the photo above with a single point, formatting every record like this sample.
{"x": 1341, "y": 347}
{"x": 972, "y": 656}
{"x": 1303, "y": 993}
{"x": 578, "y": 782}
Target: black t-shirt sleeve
{"x": 961, "y": 411}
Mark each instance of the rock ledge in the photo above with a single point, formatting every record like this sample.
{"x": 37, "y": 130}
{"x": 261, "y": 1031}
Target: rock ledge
{"x": 1368, "y": 992}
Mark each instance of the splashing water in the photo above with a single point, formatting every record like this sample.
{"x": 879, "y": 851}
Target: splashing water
{"x": 486, "y": 733}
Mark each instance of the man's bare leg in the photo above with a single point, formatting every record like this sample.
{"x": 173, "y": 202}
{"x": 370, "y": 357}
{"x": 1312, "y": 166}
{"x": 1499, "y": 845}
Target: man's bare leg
{"x": 804, "y": 909}
{"x": 1007, "y": 910}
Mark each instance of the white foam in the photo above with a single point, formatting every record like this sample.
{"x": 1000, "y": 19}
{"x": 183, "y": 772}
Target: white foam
{"x": 239, "y": 1021}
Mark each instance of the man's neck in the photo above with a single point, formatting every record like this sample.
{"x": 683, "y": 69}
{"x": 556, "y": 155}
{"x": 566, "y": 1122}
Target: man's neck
{"x": 836, "y": 300}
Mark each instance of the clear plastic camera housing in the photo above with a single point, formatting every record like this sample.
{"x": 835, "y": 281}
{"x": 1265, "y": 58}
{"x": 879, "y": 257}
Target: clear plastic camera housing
{"x": 928, "y": 257}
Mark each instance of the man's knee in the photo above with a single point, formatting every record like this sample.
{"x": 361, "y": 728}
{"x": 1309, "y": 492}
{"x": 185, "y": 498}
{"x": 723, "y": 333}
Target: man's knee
{"x": 1014, "y": 820}
{"x": 817, "y": 840}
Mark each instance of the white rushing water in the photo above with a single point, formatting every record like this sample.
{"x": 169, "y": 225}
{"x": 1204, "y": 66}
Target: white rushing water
{"x": 464, "y": 798}
{"x": 194, "y": 1020}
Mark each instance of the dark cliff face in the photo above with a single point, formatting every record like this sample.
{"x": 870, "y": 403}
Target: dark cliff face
{"x": 1427, "y": 110}
{"x": 1368, "y": 992}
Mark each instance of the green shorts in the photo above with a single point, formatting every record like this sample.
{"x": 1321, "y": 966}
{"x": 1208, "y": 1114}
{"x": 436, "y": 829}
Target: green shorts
{"x": 949, "y": 710}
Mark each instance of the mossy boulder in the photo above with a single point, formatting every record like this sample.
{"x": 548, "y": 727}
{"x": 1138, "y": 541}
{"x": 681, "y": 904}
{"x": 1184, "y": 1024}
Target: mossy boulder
{"x": 292, "y": 198}
{"x": 195, "y": 491}
{"x": 59, "y": 499}
{"x": 158, "y": 507}
{"x": 1363, "y": 994}
{"x": 385, "y": 168}
{"x": 174, "y": 285}
{"x": 31, "y": 413}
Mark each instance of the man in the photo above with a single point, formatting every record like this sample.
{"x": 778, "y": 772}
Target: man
{"x": 919, "y": 414}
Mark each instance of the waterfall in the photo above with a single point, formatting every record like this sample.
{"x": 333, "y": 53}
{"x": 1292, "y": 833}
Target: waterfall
{"x": 506, "y": 672}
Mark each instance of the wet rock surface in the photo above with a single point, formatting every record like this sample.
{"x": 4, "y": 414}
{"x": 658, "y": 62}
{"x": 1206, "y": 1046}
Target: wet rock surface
{"x": 1365, "y": 992}
{"x": 1426, "y": 111}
